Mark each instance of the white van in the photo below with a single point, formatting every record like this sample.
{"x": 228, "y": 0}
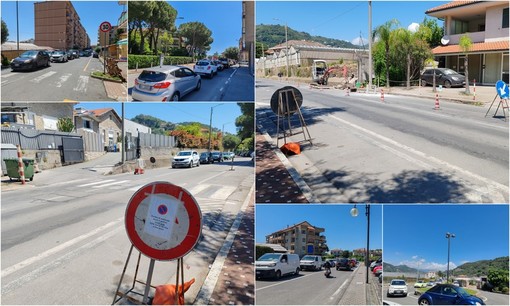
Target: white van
{"x": 311, "y": 262}
{"x": 276, "y": 264}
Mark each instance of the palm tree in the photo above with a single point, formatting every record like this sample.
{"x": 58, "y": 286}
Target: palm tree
{"x": 384, "y": 33}
{"x": 465, "y": 44}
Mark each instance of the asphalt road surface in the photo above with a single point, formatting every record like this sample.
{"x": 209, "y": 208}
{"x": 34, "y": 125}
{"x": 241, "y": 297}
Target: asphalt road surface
{"x": 59, "y": 82}
{"x": 397, "y": 151}
{"x": 234, "y": 84}
{"x": 307, "y": 288}
{"x": 64, "y": 240}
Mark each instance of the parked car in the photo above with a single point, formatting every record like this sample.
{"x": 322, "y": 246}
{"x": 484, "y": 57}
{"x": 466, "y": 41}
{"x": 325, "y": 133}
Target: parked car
{"x": 447, "y": 294}
{"x": 59, "y": 56}
{"x": 206, "y": 158}
{"x": 311, "y": 262}
{"x": 165, "y": 83}
{"x": 343, "y": 264}
{"x": 227, "y": 155}
{"x": 397, "y": 287}
{"x": 444, "y": 76}
{"x": 224, "y": 62}
{"x": 189, "y": 158}
{"x": 378, "y": 270}
{"x": 31, "y": 60}
{"x": 276, "y": 265}
{"x": 75, "y": 53}
{"x": 216, "y": 156}
{"x": 70, "y": 55}
{"x": 332, "y": 263}
{"x": 420, "y": 284}
{"x": 219, "y": 65}
{"x": 456, "y": 283}
{"x": 205, "y": 67}
{"x": 353, "y": 262}
{"x": 95, "y": 54}
{"x": 430, "y": 284}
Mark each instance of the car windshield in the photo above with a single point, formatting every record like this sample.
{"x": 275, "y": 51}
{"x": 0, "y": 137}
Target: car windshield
{"x": 398, "y": 283}
{"x": 449, "y": 71}
{"x": 307, "y": 257}
{"x": 29, "y": 54}
{"x": 203, "y": 63}
{"x": 152, "y": 76}
{"x": 184, "y": 153}
{"x": 462, "y": 292}
{"x": 58, "y": 52}
{"x": 216, "y": 154}
{"x": 204, "y": 154}
{"x": 269, "y": 257}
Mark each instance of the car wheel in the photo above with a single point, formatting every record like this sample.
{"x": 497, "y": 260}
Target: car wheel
{"x": 199, "y": 85}
{"x": 423, "y": 83}
{"x": 190, "y": 164}
{"x": 173, "y": 167}
{"x": 388, "y": 294}
{"x": 47, "y": 63}
{"x": 423, "y": 302}
{"x": 211, "y": 75}
{"x": 175, "y": 97}
{"x": 297, "y": 271}
{"x": 198, "y": 163}
{"x": 32, "y": 178}
{"x": 447, "y": 84}
{"x": 278, "y": 274}
{"x": 405, "y": 294}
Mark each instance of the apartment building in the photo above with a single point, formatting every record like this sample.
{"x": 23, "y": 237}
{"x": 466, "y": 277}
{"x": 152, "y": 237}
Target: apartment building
{"x": 486, "y": 23}
{"x": 58, "y": 26}
{"x": 302, "y": 239}
{"x": 247, "y": 41}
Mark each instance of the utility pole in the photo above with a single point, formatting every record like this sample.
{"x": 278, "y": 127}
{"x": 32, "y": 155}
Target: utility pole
{"x": 370, "y": 44}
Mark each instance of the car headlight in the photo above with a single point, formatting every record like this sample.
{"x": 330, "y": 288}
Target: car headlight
{"x": 27, "y": 61}
{"x": 272, "y": 265}
{"x": 455, "y": 78}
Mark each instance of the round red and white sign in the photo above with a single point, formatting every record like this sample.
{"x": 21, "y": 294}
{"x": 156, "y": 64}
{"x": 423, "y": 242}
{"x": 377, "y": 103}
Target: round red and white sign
{"x": 105, "y": 26}
{"x": 163, "y": 221}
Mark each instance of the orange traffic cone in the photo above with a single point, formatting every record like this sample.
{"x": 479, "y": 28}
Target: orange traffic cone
{"x": 166, "y": 294}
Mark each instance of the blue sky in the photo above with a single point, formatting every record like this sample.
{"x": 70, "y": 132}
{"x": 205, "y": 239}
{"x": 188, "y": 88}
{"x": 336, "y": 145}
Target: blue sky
{"x": 91, "y": 13}
{"x": 342, "y": 230}
{"x": 341, "y": 19}
{"x": 223, "y": 18}
{"x": 224, "y": 114}
{"x": 416, "y": 234}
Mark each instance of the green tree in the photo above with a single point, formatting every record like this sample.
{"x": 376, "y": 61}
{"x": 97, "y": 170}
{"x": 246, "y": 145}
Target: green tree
{"x": 261, "y": 250}
{"x": 498, "y": 278}
{"x": 383, "y": 32}
{"x": 198, "y": 37}
{"x": 346, "y": 254}
{"x": 230, "y": 142}
{"x": 246, "y": 121}
{"x": 139, "y": 13}
{"x": 231, "y": 53}
{"x": 162, "y": 18}
{"x": 194, "y": 128}
{"x": 260, "y": 48}
{"x": 65, "y": 124}
{"x": 465, "y": 44}
{"x": 5, "y": 32}
{"x": 434, "y": 32}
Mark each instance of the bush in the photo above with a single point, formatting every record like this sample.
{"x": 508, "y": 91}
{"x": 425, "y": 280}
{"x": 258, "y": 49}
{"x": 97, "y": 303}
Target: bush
{"x": 145, "y": 61}
{"x": 261, "y": 250}
{"x": 5, "y": 61}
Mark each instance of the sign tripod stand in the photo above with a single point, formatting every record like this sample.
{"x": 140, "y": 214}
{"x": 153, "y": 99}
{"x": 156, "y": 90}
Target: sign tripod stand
{"x": 502, "y": 102}
{"x": 287, "y": 104}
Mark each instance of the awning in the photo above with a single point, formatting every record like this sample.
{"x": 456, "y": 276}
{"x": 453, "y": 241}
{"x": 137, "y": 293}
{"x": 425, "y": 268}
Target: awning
{"x": 122, "y": 42}
{"x": 475, "y": 48}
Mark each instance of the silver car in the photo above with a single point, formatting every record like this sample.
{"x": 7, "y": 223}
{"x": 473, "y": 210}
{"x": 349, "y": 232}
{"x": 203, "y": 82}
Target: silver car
{"x": 165, "y": 83}
{"x": 58, "y": 56}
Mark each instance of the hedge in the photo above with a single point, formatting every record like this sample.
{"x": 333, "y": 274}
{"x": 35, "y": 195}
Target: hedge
{"x": 145, "y": 61}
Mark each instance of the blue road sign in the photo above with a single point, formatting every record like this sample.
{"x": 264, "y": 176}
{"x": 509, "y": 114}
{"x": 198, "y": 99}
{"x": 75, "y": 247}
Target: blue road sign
{"x": 502, "y": 89}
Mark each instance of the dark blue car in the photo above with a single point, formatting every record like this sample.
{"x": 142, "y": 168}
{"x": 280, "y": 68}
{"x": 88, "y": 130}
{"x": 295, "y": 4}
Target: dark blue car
{"x": 446, "y": 294}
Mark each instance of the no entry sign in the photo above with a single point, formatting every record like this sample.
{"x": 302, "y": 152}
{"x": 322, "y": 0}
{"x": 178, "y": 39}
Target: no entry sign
{"x": 105, "y": 26}
{"x": 163, "y": 221}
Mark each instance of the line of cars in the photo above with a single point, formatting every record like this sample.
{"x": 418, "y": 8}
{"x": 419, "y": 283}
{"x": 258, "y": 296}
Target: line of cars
{"x": 34, "y": 59}
{"x": 191, "y": 158}
{"x": 172, "y": 83}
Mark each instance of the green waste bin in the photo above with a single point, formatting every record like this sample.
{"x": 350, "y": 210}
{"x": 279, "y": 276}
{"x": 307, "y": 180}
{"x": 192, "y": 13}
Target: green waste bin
{"x": 12, "y": 168}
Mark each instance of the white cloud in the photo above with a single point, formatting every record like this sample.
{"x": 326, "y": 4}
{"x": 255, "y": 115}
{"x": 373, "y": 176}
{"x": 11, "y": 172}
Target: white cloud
{"x": 414, "y": 257}
{"x": 413, "y": 27}
{"x": 359, "y": 41}
{"x": 422, "y": 264}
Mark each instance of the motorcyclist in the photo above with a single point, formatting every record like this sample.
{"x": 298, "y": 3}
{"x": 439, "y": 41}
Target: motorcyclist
{"x": 327, "y": 267}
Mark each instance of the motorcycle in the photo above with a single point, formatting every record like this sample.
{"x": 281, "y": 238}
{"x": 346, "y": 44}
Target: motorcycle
{"x": 327, "y": 272}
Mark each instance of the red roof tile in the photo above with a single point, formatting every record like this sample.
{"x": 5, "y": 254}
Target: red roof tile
{"x": 476, "y": 47}
{"x": 450, "y": 5}
{"x": 100, "y": 111}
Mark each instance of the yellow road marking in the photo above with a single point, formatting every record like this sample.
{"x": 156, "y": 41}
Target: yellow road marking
{"x": 69, "y": 100}
{"x": 84, "y": 69}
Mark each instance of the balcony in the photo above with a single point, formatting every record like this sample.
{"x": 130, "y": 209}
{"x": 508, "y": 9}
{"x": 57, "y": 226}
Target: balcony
{"x": 476, "y": 37}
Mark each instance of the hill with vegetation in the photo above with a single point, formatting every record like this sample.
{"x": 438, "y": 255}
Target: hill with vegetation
{"x": 482, "y": 267}
{"x": 400, "y": 268}
{"x": 271, "y": 35}
{"x": 159, "y": 126}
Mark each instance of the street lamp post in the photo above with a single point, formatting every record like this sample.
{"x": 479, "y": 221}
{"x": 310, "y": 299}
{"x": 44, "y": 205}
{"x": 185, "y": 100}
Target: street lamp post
{"x": 354, "y": 213}
{"x": 448, "y": 236}
{"x": 210, "y": 125}
{"x": 286, "y": 47}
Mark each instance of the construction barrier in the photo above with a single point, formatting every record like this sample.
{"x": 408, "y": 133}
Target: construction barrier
{"x": 21, "y": 168}
{"x": 140, "y": 165}
{"x": 436, "y": 106}
{"x": 382, "y": 95}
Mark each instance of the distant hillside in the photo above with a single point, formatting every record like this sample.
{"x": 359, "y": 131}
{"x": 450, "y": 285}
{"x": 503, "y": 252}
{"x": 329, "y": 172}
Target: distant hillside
{"x": 272, "y": 35}
{"x": 159, "y": 126}
{"x": 401, "y": 268}
{"x": 482, "y": 267}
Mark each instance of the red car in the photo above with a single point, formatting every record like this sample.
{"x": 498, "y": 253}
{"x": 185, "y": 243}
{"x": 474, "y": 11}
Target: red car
{"x": 376, "y": 269}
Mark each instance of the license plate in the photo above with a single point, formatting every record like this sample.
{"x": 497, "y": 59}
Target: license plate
{"x": 398, "y": 291}
{"x": 258, "y": 272}
{"x": 16, "y": 65}
{"x": 146, "y": 87}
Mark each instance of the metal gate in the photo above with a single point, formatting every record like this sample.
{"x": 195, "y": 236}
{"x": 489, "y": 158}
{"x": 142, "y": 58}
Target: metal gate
{"x": 72, "y": 150}
{"x": 132, "y": 147}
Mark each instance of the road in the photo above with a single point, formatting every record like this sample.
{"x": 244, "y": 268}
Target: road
{"x": 59, "y": 82}
{"x": 412, "y": 299}
{"x": 63, "y": 235}
{"x": 397, "y": 151}
{"x": 307, "y": 288}
{"x": 234, "y": 84}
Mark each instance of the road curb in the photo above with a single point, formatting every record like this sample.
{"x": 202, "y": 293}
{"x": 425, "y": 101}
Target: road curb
{"x": 204, "y": 295}
{"x": 302, "y": 185}
{"x": 461, "y": 101}
{"x": 349, "y": 281}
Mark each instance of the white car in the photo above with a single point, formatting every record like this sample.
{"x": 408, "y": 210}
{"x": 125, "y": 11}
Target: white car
{"x": 186, "y": 159}
{"x": 165, "y": 83}
{"x": 397, "y": 287}
{"x": 205, "y": 67}
{"x": 311, "y": 262}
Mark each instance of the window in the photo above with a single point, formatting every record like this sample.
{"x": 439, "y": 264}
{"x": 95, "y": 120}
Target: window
{"x": 504, "y": 24}
{"x": 86, "y": 124}
{"x": 459, "y": 27}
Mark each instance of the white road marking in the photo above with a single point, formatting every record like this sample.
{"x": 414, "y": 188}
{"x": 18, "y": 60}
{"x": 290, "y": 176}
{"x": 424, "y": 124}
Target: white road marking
{"x": 95, "y": 183}
{"x": 42, "y": 77}
{"x": 63, "y": 78}
{"x": 110, "y": 184}
{"x": 283, "y": 282}
{"x": 198, "y": 188}
{"x": 223, "y": 192}
{"x": 339, "y": 289}
{"x": 7, "y": 75}
{"x": 82, "y": 84}
{"x": 56, "y": 249}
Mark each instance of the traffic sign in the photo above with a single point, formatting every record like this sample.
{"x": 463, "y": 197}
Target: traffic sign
{"x": 502, "y": 89}
{"x": 163, "y": 221}
{"x": 105, "y": 26}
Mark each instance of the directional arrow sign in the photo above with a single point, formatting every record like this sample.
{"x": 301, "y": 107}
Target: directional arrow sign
{"x": 502, "y": 89}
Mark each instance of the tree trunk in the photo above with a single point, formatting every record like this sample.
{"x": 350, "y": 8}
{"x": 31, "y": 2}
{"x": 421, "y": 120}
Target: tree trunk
{"x": 142, "y": 40}
{"x": 387, "y": 69}
{"x": 408, "y": 83}
{"x": 467, "y": 75}
{"x": 434, "y": 80}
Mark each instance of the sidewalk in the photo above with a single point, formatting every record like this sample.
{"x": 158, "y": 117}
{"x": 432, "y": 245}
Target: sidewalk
{"x": 274, "y": 183}
{"x": 117, "y": 91}
{"x": 360, "y": 293}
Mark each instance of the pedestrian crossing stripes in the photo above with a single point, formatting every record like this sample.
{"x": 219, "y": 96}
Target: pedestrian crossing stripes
{"x": 43, "y": 76}
{"x": 51, "y": 78}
